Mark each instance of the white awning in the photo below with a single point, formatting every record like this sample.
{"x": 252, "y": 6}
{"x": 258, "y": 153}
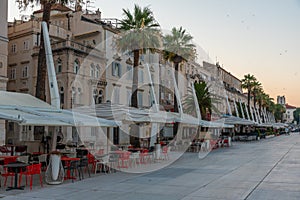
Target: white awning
{"x": 28, "y": 110}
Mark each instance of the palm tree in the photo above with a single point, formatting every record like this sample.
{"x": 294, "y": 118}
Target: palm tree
{"x": 247, "y": 83}
{"x": 178, "y": 47}
{"x": 204, "y": 98}
{"x": 138, "y": 34}
{"x": 256, "y": 90}
{"x": 41, "y": 70}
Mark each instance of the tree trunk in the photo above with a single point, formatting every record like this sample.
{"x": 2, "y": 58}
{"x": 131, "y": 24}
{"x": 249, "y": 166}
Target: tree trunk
{"x": 176, "y": 61}
{"x": 42, "y": 68}
{"x": 134, "y": 131}
{"x": 135, "y": 79}
{"x": 249, "y": 96}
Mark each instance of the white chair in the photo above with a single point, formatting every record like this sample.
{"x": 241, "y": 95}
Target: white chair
{"x": 103, "y": 161}
{"x": 134, "y": 159}
{"x": 23, "y": 159}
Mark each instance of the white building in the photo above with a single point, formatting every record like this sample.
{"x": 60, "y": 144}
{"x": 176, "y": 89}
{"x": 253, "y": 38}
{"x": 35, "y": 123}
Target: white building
{"x": 289, "y": 113}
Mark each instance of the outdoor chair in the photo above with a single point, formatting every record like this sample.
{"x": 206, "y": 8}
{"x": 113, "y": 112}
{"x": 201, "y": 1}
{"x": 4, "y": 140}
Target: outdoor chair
{"x": 165, "y": 153}
{"x": 34, "y": 169}
{"x": 23, "y": 159}
{"x": 83, "y": 164}
{"x": 124, "y": 159}
{"x": 134, "y": 159}
{"x": 20, "y": 149}
{"x": 73, "y": 168}
{"x": 43, "y": 160}
{"x": 113, "y": 162}
{"x": 5, "y": 174}
{"x": 103, "y": 162}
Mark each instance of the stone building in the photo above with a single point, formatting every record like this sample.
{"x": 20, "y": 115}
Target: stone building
{"x": 79, "y": 59}
{"x": 3, "y": 58}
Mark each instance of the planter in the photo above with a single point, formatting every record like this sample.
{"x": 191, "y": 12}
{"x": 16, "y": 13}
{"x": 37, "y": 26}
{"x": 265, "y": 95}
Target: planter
{"x": 55, "y": 171}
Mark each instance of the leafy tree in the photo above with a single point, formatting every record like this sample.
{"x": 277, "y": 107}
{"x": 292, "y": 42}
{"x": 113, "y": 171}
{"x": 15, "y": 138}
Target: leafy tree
{"x": 278, "y": 112}
{"x": 205, "y": 100}
{"x": 248, "y": 83}
{"x": 139, "y": 33}
{"x": 297, "y": 115}
{"x": 178, "y": 47}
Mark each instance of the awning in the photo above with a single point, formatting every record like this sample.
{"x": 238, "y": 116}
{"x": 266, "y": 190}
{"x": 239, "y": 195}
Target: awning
{"x": 232, "y": 120}
{"x": 28, "y": 110}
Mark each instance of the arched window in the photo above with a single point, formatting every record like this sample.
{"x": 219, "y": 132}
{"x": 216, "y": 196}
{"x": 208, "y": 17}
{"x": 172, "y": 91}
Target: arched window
{"x": 59, "y": 66}
{"x": 92, "y": 70}
{"x": 76, "y": 66}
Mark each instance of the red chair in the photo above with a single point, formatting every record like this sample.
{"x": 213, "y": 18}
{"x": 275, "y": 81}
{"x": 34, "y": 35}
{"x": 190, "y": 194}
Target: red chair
{"x": 4, "y": 173}
{"x": 34, "y": 169}
{"x": 91, "y": 160}
{"x": 124, "y": 158}
{"x": 165, "y": 153}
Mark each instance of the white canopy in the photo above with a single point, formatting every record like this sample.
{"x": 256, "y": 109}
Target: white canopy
{"x": 28, "y": 110}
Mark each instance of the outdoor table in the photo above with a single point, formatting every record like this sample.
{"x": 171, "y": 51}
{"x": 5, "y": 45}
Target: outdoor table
{"x": 9, "y": 159}
{"x": 67, "y": 161}
{"x": 16, "y": 168}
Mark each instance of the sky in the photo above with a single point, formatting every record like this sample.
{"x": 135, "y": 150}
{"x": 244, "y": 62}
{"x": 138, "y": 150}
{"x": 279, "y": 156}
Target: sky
{"x": 260, "y": 37}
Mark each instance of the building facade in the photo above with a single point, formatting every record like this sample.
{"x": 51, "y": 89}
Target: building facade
{"x": 3, "y": 58}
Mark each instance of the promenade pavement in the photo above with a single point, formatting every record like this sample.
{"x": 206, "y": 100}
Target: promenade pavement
{"x": 266, "y": 169}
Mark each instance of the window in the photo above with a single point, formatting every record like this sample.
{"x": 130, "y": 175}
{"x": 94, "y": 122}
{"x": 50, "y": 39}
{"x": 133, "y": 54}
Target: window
{"x": 79, "y": 95}
{"x": 59, "y": 66}
{"x": 116, "y": 95}
{"x": 97, "y": 71}
{"x": 73, "y": 100}
{"x": 25, "y": 72}
{"x": 141, "y": 76}
{"x": 140, "y": 99}
{"x": 93, "y": 131}
{"x": 129, "y": 96}
{"x": 26, "y": 45}
{"x": 116, "y": 69}
{"x": 14, "y": 48}
{"x": 61, "y": 95}
{"x": 76, "y": 66}
{"x": 98, "y": 96}
{"x": 129, "y": 72}
{"x": 12, "y": 74}
{"x": 92, "y": 70}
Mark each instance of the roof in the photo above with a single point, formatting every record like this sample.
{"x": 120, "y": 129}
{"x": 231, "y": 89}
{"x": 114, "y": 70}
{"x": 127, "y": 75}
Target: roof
{"x": 58, "y": 7}
{"x": 287, "y": 106}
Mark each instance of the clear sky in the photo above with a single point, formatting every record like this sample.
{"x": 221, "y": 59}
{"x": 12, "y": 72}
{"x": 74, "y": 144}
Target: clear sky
{"x": 260, "y": 37}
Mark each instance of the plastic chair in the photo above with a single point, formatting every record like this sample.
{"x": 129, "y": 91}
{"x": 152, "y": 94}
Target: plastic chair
{"x": 124, "y": 158}
{"x": 165, "y": 153}
{"x": 20, "y": 149}
{"x": 23, "y": 159}
{"x": 4, "y": 173}
{"x": 34, "y": 169}
{"x": 72, "y": 166}
{"x": 84, "y": 163}
{"x": 43, "y": 160}
{"x": 103, "y": 162}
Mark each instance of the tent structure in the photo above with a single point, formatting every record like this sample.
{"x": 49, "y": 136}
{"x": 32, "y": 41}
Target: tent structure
{"x": 28, "y": 110}
{"x": 232, "y": 120}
